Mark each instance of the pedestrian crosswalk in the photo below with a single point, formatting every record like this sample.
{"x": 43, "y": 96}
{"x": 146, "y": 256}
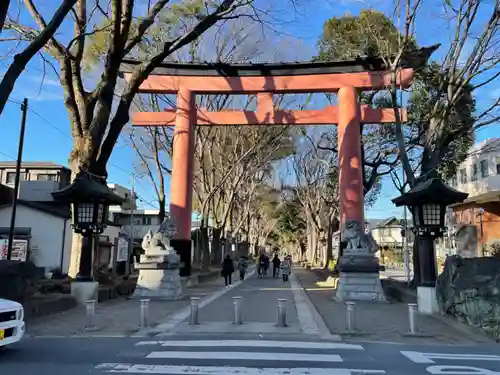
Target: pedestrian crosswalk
{"x": 242, "y": 357}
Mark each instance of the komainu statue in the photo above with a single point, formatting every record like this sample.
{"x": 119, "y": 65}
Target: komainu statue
{"x": 357, "y": 241}
{"x": 160, "y": 240}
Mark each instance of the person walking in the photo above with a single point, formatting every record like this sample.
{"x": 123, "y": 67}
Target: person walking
{"x": 227, "y": 270}
{"x": 276, "y": 265}
{"x": 285, "y": 269}
{"x": 242, "y": 267}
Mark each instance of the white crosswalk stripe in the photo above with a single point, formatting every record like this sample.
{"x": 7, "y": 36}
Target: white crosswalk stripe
{"x": 240, "y": 357}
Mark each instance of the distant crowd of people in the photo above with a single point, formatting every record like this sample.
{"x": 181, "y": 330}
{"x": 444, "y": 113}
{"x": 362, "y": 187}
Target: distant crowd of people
{"x": 283, "y": 266}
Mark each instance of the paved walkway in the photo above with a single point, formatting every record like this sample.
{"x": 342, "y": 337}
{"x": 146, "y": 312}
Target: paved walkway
{"x": 259, "y": 296}
{"x": 117, "y": 317}
{"x": 383, "y": 322}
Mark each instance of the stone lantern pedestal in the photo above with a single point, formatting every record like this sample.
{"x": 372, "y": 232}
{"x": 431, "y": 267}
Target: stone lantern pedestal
{"x": 358, "y": 267}
{"x": 159, "y": 266}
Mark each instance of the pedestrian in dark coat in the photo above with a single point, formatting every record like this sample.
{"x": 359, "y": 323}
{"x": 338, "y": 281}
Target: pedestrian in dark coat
{"x": 227, "y": 270}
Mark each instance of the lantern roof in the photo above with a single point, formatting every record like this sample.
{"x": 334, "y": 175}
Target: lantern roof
{"x": 86, "y": 189}
{"x": 433, "y": 190}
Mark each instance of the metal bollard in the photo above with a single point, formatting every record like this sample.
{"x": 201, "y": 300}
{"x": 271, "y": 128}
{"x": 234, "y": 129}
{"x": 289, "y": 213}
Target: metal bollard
{"x": 144, "y": 313}
{"x": 412, "y": 317}
{"x": 237, "y": 310}
{"x": 351, "y": 323}
{"x": 90, "y": 312}
{"x": 193, "y": 318}
{"x": 281, "y": 312}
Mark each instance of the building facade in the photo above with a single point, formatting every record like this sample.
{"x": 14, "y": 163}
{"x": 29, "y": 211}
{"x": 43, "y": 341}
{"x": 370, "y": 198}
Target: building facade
{"x": 476, "y": 221}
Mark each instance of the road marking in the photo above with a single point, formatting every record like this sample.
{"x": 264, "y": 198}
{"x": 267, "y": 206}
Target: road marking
{"x": 427, "y": 358}
{"x": 225, "y": 370}
{"x": 459, "y": 370}
{"x": 249, "y": 356}
{"x": 254, "y": 344}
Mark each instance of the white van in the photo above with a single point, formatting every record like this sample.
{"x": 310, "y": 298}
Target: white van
{"x": 11, "y": 322}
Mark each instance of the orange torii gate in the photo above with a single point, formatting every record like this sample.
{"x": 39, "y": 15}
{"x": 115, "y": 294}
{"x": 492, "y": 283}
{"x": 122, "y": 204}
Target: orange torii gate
{"x": 188, "y": 80}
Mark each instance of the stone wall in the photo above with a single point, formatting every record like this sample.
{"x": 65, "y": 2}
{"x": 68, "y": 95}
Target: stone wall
{"x": 469, "y": 290}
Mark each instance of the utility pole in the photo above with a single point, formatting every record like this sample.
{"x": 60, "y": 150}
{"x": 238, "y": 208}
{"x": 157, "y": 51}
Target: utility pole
{"x": 405, "y": 238}
{"x": 131, "y": 224}
{"x": 24, "y": 109}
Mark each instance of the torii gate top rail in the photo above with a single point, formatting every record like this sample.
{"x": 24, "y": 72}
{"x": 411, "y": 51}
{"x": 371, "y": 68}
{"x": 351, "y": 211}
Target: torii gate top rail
{"x": 368, "y": 73}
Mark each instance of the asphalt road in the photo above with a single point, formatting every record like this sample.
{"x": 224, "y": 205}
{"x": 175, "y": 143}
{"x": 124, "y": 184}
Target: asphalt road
{"x": 249, "y": 354}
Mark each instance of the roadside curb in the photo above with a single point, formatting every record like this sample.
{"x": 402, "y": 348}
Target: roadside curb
{"x": 309, "y": 312}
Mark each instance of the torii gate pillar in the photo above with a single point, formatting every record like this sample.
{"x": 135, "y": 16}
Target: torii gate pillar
{"x": 181, "y": 182}
{"x": 349, "y": 146}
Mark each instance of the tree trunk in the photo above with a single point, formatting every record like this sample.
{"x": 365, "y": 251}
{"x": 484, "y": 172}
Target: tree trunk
{"x": 161, "y": 209}
{"x": 4, "y": 7}
{"x": 216, "y": 256}
{"x": 205, "y": 250}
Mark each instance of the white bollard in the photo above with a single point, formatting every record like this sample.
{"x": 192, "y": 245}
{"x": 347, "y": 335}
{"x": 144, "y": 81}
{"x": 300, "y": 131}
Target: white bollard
{"x": 281, "y": 312}
{"x": 237, "y": 310}
{"x": 412, "y": 317}
{"x": 144, "y": 313}
{"x": 90, "y": 312}
{"x": 351, "y": 320}
{"x": 193, "y": 318}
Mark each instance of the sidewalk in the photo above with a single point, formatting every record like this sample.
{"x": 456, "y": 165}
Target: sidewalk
{"x": 118, "y": 317}
{"x": 384, "y": 322}
{"x": 259, "y": 308}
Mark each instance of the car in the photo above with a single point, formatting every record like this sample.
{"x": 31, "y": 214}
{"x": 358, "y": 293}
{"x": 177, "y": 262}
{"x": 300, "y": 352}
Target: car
{"x": 11, "y": 322}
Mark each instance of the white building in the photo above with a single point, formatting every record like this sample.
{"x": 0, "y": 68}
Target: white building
{"x": 47, "y": 229}
{"x": 480, "y": 172}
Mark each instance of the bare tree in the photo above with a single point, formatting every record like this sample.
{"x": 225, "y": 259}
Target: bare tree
{"x": 316, "y": 174}
{"x": 98, "y": 116}
{"x": 37, "y": 39}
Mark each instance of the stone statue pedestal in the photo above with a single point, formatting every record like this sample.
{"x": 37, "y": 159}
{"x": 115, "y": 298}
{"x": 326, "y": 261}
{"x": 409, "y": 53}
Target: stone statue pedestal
{"x": 359, "y": 279}
{"x": 159, "y": 277}
{"x": 358, "y": 267}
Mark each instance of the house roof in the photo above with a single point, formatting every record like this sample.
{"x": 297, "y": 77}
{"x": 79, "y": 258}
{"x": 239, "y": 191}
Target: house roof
{"x": 33, "y": 165}
{"x": 62, "y": 211}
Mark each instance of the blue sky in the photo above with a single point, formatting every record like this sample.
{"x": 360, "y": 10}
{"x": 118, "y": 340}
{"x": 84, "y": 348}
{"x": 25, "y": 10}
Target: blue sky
{"x": 47, "y": 134}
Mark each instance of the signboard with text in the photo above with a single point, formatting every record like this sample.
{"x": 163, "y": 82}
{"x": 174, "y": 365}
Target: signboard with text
{"x": 19, "y": 249}
{"x": 122, "y": 251}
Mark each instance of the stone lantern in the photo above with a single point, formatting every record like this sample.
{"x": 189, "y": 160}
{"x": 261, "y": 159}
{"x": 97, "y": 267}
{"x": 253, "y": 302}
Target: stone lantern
{"x": 91, "y": 199}
{"x": 427, "y": 202}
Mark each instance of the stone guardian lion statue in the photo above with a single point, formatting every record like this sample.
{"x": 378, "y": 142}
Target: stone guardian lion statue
{"x": 356, "y": 239}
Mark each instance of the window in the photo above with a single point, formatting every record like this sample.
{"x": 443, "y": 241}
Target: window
{"x": 463, "y": 176}
{"x": 484, "y": 168}
{"x": 497, "y": 161}
{"x": 474, "y": 173}
{"x": 11, "y": 177}
{"x": 46, "y": 177}
{"x": 146, "y": 220}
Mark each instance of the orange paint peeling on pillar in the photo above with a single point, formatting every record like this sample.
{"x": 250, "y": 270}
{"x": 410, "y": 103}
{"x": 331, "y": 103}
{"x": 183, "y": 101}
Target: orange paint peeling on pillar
{"x": 349, "y": 141}
{"x": 181, "y": 182}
